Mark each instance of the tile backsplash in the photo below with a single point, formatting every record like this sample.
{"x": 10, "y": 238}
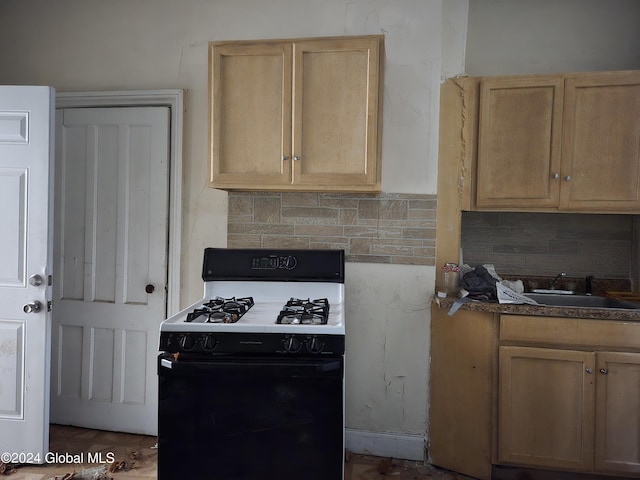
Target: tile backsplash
{"x": 381, "y": 228}
{"x": 547, "y": 243}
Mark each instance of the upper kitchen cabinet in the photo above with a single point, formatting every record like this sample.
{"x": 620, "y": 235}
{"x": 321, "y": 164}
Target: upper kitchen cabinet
{"x": 519, "y": 134}
{"x": 565, "y": 142}
{"x": 299, "y": 115}
{"x": 601, "y": 142}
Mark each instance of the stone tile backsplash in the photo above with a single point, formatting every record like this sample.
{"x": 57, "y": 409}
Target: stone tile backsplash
{"x": 545, "y": 244}
{"x": 383, "y": 228}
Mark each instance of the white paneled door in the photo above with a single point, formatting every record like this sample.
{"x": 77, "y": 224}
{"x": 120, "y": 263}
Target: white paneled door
{"x": 26, "y": 168}
{"x": 111, "y": 226}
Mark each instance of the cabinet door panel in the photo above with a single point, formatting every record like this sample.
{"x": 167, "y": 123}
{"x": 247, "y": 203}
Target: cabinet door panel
{"x": 546, "y": 407}
{"x": 251, "y": 124}
{"x": 601, "y": 146}
{"x": 463, "y": 351}
{"x": 336, "y": 111}
{"x": 519, "y": 142}
{"x": 618, "y": 413}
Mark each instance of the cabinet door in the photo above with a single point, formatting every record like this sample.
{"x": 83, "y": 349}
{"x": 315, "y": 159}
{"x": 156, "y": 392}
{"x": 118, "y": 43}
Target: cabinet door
{"x": 601, "y": 142}
{"x": 336, "y": 99}
{"x": 546, "y": 407}
{"x": 617, "y": 442}
{"x": 461, "y": 389}
{"x": 250, "y": 105}
{"x": 519, "y": 142}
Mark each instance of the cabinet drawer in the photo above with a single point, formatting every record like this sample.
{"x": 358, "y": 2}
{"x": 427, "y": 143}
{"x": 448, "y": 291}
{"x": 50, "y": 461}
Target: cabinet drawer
{"x": 569, "y": 331}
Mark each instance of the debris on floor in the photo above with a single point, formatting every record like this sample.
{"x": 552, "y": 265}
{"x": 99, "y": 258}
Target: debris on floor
{"x": 101, "y": 472}
{"x": 6, "y": 468}
{"x": 97, "y": 473}
{"x": 366, "y": 467}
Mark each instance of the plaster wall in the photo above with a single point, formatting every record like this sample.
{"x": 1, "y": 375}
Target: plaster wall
{"x": 512, "y": 37}
{"x": 76, "y": 45}
{"x": 150, "y": 44}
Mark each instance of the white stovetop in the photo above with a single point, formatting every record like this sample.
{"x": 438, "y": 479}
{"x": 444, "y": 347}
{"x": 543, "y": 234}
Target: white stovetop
{"x": 269, "y": 298}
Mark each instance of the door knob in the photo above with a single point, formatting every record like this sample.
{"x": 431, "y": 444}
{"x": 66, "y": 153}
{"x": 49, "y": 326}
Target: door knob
{"x": 35, "y": 280}
{"x": 149, "y": 288}
{"x": 33, "y": 307}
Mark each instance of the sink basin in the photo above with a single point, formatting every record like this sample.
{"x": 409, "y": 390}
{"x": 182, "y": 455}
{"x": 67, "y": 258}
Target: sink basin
{"x": 592, "y": 301}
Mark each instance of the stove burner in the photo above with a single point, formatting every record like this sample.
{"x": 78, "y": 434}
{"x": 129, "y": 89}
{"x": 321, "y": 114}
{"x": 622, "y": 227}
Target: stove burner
{"x": 304, "y": 312}
{"x": 221, "y": 310}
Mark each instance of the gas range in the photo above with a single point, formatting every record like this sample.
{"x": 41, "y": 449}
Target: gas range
{"x": 263, "y": 301}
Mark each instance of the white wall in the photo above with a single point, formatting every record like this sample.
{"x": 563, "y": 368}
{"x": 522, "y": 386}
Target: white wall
{"x": 151, "y": 44}
{"x": 509, "y": 37}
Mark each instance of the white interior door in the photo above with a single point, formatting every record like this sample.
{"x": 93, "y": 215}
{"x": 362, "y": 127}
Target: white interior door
{"x": 26, "y": 167}
{"x": 110, "y": 286}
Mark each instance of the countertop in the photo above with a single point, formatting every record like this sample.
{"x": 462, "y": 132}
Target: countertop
{"x": 543, "y": 310}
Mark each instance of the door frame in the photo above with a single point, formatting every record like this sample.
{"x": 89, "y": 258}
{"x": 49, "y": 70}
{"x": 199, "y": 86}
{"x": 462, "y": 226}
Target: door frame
{"x": 174, "y": 99}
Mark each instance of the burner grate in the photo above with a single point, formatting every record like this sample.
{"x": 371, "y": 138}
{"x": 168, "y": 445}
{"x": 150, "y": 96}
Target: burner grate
{"x": 304, "y": 312}
{"x": 221, "y": 310}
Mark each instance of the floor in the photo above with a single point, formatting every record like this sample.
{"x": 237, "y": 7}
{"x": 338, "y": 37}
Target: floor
{"x": 121, "y": 456}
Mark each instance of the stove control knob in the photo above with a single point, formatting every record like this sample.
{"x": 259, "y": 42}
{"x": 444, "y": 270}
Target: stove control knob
{"x": 208, "y": 342}
{"x": 291, "y": 344}
{"x": 187, "y": 342}
{"x": 315, "y": 345}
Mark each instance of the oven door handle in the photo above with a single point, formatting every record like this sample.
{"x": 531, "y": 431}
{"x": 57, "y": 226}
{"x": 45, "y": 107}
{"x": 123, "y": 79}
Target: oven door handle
{"x": 308, "y": 367}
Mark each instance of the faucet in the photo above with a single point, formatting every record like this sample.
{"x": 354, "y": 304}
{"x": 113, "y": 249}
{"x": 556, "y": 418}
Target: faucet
{"x": 555, "y": 280}
{"x": 588, "y": 281}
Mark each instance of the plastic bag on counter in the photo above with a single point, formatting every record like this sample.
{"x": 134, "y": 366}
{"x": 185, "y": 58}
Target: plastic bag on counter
{"x": 479, "y": 284}
{"x": 508, "y": 294}
{"x": 484, "y": 284}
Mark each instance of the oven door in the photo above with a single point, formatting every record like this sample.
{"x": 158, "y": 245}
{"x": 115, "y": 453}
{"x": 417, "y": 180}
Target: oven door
{"x": 250, "y": 418}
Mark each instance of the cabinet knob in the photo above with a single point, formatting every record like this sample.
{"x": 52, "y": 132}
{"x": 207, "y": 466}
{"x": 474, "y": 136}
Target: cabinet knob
{"x": 567, "y": 178}
{"x": 589, "y": 371}
{"x": 285, "y": 158}
{"x": 555, "y": 176}
{"x": 604, "y": 371}
{"x": 297, "y": 158}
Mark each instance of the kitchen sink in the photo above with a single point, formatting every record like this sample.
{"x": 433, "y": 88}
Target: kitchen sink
{"x": 593, "y": 301}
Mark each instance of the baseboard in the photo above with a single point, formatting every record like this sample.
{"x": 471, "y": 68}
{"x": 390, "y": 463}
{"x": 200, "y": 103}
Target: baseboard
{"x": 402, "y": 446}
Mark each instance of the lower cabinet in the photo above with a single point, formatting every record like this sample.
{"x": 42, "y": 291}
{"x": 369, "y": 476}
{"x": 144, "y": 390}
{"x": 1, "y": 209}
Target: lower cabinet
{"x": 546, "y": 407}
{"x": 461, "y": 391}
{"x": 617, "y": 433}
{"x": 572, "y": 408}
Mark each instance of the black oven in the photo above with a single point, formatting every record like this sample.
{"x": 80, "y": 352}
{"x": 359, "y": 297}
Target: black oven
{"x": 251, "y": 377}
{"x": 250, "y": 418}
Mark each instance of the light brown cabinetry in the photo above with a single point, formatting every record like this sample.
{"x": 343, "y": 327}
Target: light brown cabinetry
{"x": 296, "y": 114}
{"x": 546, "y": 408}
{"x": 519, "y": 134}
{"x": 568, "y": 400}
{"x": 617, "y": 435}
{"x": 461, "y": 391}
{"x": 565, "y": 142}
